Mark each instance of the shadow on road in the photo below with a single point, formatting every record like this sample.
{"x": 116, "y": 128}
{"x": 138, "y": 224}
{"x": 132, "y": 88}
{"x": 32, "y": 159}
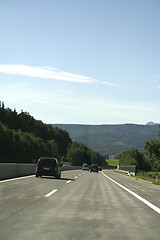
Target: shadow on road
{"x": 61, "y": 179}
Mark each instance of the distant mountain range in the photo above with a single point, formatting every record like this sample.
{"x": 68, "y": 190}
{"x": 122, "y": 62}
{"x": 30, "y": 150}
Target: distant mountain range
{"x": 152, "y": 123}
{"x": 111, "y": 139}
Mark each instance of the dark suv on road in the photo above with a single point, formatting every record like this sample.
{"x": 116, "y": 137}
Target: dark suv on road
{"x": 94, "y": 168}
{"x": 48, "y": 166}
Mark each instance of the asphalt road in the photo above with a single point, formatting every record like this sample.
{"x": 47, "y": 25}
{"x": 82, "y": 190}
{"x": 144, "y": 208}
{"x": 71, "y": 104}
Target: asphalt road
{"x": 78, "y": 206}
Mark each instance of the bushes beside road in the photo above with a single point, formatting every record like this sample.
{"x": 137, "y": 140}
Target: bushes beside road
{"x": 148, "y": 176}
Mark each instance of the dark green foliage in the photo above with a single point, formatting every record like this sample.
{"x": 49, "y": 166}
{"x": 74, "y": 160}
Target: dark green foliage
{"x": 152, "y": 150}
{"x": 97, "y": 158}
{"x": 24, "y": 139}
{"x": 148, "y": 174}
{"x": 23, "y": 147}
{"x": 79, "y": 154}
{"x": 133, "y": 157}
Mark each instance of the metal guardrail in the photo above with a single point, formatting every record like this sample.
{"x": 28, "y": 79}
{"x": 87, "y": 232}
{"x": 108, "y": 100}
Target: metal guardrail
{"x": 130, "y": 170}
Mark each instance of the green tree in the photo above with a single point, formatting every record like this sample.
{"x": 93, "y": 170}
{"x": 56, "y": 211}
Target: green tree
{"x": 52, "y": 149}
{"x": 22, "y": 138}
{"x": 133, "y": 157}
{"x": 97, "y": 158}
{"x": 78, "y": 154}
{"x": 5, "y": 143}
{"x": 152, "y": 150}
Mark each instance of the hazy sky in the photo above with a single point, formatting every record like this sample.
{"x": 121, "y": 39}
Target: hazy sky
{"x": 81, "y": 61}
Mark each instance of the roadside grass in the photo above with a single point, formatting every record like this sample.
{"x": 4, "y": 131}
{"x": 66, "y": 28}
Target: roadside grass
{"x": 148, "y": 176}
{"x": 112, "y": 162}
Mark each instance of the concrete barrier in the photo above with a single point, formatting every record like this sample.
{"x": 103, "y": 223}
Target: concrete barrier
{"x": 130, "y": 170}
{"x": 10, "y": 170}
{"x": 13, "y": 170}
{"x": 65, "y": 168}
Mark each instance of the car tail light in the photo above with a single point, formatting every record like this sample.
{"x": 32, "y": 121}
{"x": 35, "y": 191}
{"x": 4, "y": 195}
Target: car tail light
{"x": 37, "y": 167}
{"x": 55, "y": 168}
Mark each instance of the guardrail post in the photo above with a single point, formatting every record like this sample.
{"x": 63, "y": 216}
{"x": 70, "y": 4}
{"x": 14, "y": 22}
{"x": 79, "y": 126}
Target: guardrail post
{"x": 156, "y": 178}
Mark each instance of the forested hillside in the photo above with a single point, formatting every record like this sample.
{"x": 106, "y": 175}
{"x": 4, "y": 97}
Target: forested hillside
{"x": 111, "y": 139}
{"x": 24, "y": 139}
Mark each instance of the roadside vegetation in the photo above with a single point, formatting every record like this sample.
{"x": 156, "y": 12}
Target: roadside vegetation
{"x": 111, "y": 138}
{"x": 134, "y": 157}
{"x": 112, "y": 162}
{"x": 24, "y": 140}
{"x": 149, "y": 176}
{"x": 147, "y": 162}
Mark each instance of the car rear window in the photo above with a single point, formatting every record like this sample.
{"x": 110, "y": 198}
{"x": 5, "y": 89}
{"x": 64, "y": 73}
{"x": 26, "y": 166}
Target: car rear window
{"x": 47, "y": 162}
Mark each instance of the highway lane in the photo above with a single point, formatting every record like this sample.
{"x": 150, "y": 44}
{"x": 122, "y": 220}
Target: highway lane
{"x": 84, "y": 206}
{"x": 147, "y": 190}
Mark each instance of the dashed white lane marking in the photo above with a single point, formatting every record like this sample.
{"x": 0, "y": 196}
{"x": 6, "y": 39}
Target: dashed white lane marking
{"x": 68, "y": 181}
{"x": 156, "y": 209}
{"x": 50, "y": 193}
{"x": 75, "y": 177}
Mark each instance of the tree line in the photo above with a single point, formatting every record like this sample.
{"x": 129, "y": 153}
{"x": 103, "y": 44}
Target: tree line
{"x": 148, "y": 160}
{"x": 24, "y": 139}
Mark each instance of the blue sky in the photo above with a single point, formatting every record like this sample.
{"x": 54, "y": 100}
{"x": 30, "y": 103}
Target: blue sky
{"x": 81, "y": 61}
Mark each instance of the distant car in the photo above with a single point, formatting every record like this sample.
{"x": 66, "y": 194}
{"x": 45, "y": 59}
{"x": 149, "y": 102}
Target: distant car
{"x": 85, "y": 167}
{"x": 49, "y": 167}
{"x": 94, "y": 168}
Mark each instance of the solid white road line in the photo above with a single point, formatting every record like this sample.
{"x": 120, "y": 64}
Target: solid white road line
{"x": 50, "y": 193}
{"x": 14, "y": 179}
{"x": 156, "y": 209}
